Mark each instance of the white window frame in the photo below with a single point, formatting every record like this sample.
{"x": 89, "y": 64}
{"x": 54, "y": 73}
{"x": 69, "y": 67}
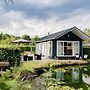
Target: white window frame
{"x": 49, "y": 48}
{"x": 57, "y": 48}
{"x": 78, "y": 47}
{"x": 73, "y": 54}
{"x": 37, "y": 48}
{"x": 51, "y": 45}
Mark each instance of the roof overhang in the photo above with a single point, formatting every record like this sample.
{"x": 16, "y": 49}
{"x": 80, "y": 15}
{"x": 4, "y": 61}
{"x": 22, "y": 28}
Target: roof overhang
{"x": 80, "y": 34}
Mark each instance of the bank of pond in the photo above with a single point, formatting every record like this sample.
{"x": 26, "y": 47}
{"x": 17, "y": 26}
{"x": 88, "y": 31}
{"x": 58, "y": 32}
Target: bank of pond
{"x": 75, "y": 77}
{"x": 67, "y": 77}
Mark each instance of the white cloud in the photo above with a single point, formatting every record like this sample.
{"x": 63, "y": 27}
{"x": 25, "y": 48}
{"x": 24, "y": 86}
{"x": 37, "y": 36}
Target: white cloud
{"x": 16, "y": 23}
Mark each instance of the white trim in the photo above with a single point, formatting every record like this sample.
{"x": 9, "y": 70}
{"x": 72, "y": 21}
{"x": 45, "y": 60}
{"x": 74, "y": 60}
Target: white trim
{"x": 49, "y": 48}
{"x": 78, "y": 47}
{"x": 51, "y": 45}
{"x": 72, "y": 48}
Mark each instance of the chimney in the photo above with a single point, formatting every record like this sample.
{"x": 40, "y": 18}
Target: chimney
{"x": 48, "y": 33}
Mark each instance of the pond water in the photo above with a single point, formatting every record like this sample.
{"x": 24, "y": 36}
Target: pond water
{"x": 76, "y": 77}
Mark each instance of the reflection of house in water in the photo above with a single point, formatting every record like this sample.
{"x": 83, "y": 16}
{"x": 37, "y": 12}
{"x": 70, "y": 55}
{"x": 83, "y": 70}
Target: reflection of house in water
{"x": 70, "y": 76}
{"x": 75, "y": 77}
{"x": 60, "y": 76}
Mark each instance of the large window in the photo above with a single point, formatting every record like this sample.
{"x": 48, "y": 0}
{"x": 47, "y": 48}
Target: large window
{"x": 44, "y": 48}
{"x": 60, "y": 48}
{"x": 76, "y": 48}
{"x": 67, "y": 48}
{"x": 49, "y": 48}
{"x": 38, "y": 48}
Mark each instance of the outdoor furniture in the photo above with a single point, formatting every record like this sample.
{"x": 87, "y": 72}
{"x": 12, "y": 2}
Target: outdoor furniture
{"x": 85, "y": 57}
{"x": 25, "y": 57}
{"x": 77, "y": 57}
{"x": 30, "y": 56}
{"x": 37, "y": 56}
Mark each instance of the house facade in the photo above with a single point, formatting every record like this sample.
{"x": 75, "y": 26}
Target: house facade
{"x": 63, "y": 44}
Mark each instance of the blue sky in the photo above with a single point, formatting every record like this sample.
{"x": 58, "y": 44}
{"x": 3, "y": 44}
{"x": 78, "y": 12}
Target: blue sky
{"x": 38, "y": 17}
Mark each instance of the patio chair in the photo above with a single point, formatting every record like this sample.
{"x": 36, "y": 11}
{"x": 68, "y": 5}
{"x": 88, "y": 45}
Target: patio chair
{"x": 85, "y": 57}
{"x": 77, "y": 57}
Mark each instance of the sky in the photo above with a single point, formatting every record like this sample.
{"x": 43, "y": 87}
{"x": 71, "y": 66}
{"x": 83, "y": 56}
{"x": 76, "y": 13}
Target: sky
{"x": 40, "y": 17}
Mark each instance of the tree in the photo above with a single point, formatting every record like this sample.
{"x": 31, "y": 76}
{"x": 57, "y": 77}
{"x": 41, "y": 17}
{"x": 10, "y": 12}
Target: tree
{"x": 87, "y": 31}
{"x": 34, "y": 39}
{"x": 4, "y": 36}
{"x": 27, "y": 37}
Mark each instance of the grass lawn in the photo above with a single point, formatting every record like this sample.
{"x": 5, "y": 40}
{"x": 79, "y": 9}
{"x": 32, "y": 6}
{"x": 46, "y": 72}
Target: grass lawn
{"x": 31, "y": 65}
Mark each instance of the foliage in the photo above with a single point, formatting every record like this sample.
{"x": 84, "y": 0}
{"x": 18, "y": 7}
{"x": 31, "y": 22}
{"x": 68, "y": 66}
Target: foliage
{"x": 48, "y": 82}
{"x": 87, "y": 31}
{"x": 24, "y": 48}
{"x": 10, "y": 38}
{"x": 10, "y": 54}
{"x": 10, "y": 80}
{"x": 34, "y": 39}
{"x": 27, "y": 37}
{"x": 6, "y": 40}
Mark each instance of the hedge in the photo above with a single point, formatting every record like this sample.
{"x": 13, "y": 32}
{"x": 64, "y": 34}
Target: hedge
{"x": 27, "y": 48}
{"x": 10, "y": 54}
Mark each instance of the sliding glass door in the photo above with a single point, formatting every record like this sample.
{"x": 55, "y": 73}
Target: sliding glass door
{"x": 60, "y": 49}
{"x": 67, "y": 48}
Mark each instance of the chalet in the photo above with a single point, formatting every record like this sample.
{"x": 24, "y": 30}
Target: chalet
{"x": 63, "y": 44}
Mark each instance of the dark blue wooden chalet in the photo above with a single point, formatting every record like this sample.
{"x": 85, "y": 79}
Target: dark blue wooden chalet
{"x": 63, "y": 44}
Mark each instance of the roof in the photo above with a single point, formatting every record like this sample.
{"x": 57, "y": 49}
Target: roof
{"x": 56, "y": 35}
{"x": 21, "y": 41}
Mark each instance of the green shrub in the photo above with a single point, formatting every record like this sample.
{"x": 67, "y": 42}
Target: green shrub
{"x": 27, "y": 48}
{"x": 10, "y": 54}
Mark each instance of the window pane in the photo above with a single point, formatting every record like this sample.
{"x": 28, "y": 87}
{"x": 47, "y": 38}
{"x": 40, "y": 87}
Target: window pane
{"x": 50, "y": 49}
{"x": 37, "y": 48}
{"x": 60, "y": 48}
{"x": 76, "y": 48}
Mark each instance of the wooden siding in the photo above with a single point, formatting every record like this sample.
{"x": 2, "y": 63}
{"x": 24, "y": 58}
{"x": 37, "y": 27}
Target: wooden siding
{"x": 67, "y": 37}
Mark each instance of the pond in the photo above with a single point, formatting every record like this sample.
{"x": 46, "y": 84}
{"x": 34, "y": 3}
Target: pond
{"x": 73, "y": 76}
{"x": 76, "y": 77}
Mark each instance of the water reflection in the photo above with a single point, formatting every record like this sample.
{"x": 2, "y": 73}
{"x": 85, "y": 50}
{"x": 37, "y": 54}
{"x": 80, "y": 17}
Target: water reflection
{"x": 78, "y": 77}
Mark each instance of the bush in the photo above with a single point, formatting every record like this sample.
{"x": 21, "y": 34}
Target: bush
{"x": 27, "y": 48}
{"x": 10, "y": 54}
